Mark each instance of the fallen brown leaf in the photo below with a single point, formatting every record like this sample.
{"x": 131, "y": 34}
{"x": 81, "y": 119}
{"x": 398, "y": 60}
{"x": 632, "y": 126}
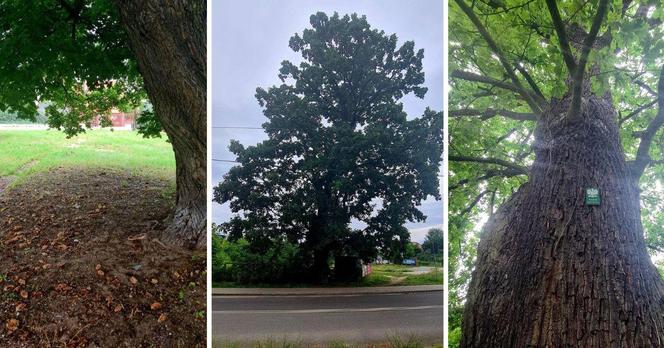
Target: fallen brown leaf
{"x": 155, "y": 306}
{"x": 162, "y": 318}
{"x": 12, "y": 325}
{"x": 62, "y": 287}
{"x": 13, "y": 239}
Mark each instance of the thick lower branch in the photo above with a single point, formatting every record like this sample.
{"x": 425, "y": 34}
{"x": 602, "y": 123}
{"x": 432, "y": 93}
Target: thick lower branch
{"x": 505, "y": 173}
{"x": 490, "y": 113}
{"x": 517, "y": 168}
{"x": 559, "y": 26}
{"x": 578, "y": 75}
{"x": 468, "y": 76}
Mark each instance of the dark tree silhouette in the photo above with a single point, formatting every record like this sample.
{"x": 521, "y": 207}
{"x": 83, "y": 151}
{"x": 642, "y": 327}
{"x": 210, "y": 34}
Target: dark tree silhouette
{"x": 339, "y": 148}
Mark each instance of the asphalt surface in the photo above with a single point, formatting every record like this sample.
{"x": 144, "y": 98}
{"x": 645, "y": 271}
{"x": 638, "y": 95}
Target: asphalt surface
{"x": 365, "y": 318}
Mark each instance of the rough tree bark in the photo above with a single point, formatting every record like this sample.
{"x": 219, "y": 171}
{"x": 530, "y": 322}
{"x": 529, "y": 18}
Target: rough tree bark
{"x": 168, "y": 38}
{"x": 321, "y": 266}
{"x": 554, "y": 272}
{"x": 318, "y": 241}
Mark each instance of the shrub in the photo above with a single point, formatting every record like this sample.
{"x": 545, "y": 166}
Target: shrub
{"x": 280, "y": 262}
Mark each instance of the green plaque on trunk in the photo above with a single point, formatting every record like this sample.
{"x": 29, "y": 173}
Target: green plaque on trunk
{"x": 592, "y": 196}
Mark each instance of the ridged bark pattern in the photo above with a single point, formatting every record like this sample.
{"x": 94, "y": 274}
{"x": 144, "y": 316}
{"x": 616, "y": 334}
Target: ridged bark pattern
{"x": 554, "y": 272}
{"x": 168, "y": 38}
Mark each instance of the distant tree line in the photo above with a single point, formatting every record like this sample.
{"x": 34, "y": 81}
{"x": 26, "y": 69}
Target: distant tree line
{"x": 11, "y": 118}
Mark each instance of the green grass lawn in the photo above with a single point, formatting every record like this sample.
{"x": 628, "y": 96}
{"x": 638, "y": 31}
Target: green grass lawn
{"x": 399, "y": 275}
{"x": 25, "y": 152}
{"x": 435, "y": 277}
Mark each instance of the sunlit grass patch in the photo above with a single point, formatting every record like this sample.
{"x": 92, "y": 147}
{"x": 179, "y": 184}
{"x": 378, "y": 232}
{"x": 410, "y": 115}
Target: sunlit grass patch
{"x": 25, "y": 152}
{"x": 391, "y": 274}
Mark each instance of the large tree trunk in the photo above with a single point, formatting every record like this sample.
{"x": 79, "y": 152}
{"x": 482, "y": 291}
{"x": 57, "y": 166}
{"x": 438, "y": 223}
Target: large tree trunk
{"x": 321, "y": 266}
{"x": 168, "y": 38}
{"x": 317, "y": 240}
{"x": 554, "y": 272}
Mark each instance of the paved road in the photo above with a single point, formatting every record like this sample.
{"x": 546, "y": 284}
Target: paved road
{"x": 320, "y": 319}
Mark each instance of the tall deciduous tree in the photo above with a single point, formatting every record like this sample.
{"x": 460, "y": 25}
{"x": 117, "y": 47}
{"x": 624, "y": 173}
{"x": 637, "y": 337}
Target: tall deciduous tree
{"x": 339, "y": 148}
{"x": 82, "y": 58}
{"x": 433, "y": 242}
{"x": 550, "y": 99}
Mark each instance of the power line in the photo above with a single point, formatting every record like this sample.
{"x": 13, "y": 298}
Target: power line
{"x": 221, "y": 160}
{"x": 229, "y": 127}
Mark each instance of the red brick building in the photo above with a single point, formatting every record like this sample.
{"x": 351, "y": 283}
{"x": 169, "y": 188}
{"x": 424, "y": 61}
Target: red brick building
{"x": 120, "y": 119}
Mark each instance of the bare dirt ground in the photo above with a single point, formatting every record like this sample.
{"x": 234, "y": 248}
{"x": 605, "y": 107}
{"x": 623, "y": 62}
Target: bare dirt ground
{"x": 81, "y": 265}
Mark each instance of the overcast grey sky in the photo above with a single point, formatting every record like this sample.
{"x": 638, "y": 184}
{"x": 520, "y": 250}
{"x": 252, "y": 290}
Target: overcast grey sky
{"x": 250, "y": 39}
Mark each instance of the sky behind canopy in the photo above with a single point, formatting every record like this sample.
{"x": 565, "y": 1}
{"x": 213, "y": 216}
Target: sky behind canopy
{"x": 250, "y": 40}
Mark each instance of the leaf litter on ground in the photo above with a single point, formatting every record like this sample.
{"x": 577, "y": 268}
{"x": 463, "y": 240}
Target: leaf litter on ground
{"x": 71, "y": 240}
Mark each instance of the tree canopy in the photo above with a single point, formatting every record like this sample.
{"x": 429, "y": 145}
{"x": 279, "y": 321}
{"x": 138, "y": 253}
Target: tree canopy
{"x": 340, "y": 147}
{"x": 71, "y": 57}
{"x": 508, "y": 60}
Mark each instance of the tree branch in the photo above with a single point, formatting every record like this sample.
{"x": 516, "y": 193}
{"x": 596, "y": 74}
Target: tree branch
{"x": 468, "y": 76}
{"x": 574, "y": 112}
{"x": 655, "y": 248}
{"x": 646, "y": 87}
{"x": 642, "y": 154}
{"x": 474, "y": 203}
{"x": 506, "y": 135}
{"x": 594, "y": 30}
{"x": 491, "y": 173}
{"x": 518, "y": 168}
{"x": 636, "y": 112}
{"x": 539, "y": 96}
{"x": 498, "y": 52}
{"x": 538, "y": 92}
{"x": 559, "y": 26}
{"x": 489, "y": 113}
